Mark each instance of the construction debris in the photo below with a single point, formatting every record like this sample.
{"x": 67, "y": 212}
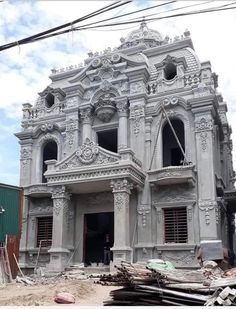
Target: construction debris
{"x": 152, "y": 286}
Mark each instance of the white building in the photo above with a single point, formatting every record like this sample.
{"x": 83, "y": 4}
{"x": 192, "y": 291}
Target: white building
{"x": 98, "y": 156}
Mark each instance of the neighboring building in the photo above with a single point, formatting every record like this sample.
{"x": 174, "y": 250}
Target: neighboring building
{"x": 98, "y": 156}
{"x": 11, "y": 204}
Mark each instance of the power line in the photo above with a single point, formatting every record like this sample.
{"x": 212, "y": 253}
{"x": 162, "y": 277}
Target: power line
{"x": 83, "y": 27}
{"x": 90, "y": 15}
{"x": 216, "y": 9}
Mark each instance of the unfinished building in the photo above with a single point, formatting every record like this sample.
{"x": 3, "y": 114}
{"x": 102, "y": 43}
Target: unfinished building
{"x": 130, "y": 152}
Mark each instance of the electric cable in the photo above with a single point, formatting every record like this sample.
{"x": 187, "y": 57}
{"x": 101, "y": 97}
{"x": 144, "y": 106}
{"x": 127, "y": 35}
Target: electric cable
{"x": 90, "y": 15}
{"x": 36, "y": 38}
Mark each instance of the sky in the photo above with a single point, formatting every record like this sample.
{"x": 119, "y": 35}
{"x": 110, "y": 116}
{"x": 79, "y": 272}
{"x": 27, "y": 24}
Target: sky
{"x": 24, "y": 69}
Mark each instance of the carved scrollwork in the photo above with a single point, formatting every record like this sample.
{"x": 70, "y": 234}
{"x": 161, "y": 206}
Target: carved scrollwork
{"x": 60, "y": 205}
{"x": 121, "y": 201}
{"x": 86, "y": 114}
{"x": 25, "y": 153}
{"x": 87, "y": 152}
{"x": 47, "y": 127}
{"x": 171, "y": 101}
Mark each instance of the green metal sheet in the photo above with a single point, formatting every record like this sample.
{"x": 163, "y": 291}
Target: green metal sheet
{"x": 9, "y": 219}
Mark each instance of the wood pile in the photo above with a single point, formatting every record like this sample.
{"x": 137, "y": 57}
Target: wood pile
{"x": 182, "y": 287}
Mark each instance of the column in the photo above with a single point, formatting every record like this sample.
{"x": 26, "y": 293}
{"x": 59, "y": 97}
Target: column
{"x": 148, "y": 122}
{"x": 24, "y": 233}
{"x": 121, "y": 249}
{"x": 122, "y": 107}
{"x": 59, "y": 253}
{"x": 87, "y": 123}
{"x": 206, "y": 175}
{"x": 25, "y": 164}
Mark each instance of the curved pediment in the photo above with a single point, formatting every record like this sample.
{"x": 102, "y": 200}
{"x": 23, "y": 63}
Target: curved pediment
{"x": 86, "y": 155}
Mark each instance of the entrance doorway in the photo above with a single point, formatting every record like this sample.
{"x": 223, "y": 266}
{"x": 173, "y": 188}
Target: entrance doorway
{"x": 98, "y": 237}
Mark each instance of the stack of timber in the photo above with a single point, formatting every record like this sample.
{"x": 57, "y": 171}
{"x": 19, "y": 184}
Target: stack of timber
{"x": 143, "y": 286}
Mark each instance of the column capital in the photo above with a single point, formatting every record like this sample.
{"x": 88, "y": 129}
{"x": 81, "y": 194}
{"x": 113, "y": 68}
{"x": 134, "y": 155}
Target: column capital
{"x": 122, "y": 106}
{"x": 60, "y": 192}
{"x": 86, "y": 114}
{"x": 121, "y": 185}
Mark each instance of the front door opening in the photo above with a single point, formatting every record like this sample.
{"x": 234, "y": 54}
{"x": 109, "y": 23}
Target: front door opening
{"x": 98, "y": 238}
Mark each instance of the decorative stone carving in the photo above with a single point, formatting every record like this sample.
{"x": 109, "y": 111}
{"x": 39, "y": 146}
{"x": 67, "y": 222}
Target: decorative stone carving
{"x": 86, "y": 114}
{"x": 136, "y": 113}
{"x": 47, "y": 127}
{"x": 41, "y": 206}
{"x": 193, "y": 79}
{"x": 121, "y": 200}
{"x": 170, "y": 101}
{"x": 137, "y": 87}
{"x": 60, "y": 192}
{"x": 87, "y": 152}
{"x": 190, "y": 213}
{"x": 60, "y": 205}
{"x": 122, "y": 106}
{"x": 48, "y": 137}
{"x": 105, "y": 107}
{"x": 207, "y": 206}
{"x": 203, "y": 124}
{"x": 143, "y": 211}
{"x": 178, "y": 258}
{"x": 72, "y": 102}
{"x": 121, "y": 185}
{"x": 204, "y": 138}
{"x": 25, "y": 153}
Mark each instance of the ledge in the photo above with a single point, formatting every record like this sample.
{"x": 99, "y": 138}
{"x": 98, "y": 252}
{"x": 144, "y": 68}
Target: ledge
{"x": 173, "y": 175}
{"x": 174, "y": 247}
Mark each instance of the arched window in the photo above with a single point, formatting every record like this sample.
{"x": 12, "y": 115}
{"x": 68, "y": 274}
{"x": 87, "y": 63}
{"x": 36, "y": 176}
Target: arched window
{"x": 170, "y": 71}
{"x": 49, "y": 153}
{"x": 49, "y": 100}
{"x": 172, "y": 154}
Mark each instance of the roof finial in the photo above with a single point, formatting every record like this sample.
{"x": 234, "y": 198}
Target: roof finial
{"x": 143, "y": 23}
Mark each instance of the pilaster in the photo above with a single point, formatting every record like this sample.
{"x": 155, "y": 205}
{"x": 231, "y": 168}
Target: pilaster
{"x": 122, "y": 107}
{"x": 72, "y": 130}
{"x": 206, "y": 174}
{"x": 86, "y": 116}
{"x": 121, "y": 249}
{"x": 24, "y": 233}
{"x": 25, "y": 164}
{"x": 59, "y": 253}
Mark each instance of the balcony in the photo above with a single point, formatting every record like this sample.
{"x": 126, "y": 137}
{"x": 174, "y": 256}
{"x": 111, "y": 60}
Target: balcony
{"x": 95, "y": 165}
{"x": 173, "y": 175}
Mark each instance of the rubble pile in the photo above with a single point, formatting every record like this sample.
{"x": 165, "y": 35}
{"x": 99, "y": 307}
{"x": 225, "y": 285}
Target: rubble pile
{"x": 149, "y": 285}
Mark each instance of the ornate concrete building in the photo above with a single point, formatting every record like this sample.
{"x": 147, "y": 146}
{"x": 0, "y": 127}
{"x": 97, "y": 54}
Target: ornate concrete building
{"x": 133, "y": 144}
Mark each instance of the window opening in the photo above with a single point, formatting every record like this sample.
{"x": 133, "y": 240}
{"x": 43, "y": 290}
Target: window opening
{"x": 175, "y": 225}
{"x": 172, "y": 154}
{"x": 44, "y": 231}
{"x": 49, "y": 100}
{"x": 49, "y": 153}
{"x": 108, "y": 139}
{"x": 170, "y": 71}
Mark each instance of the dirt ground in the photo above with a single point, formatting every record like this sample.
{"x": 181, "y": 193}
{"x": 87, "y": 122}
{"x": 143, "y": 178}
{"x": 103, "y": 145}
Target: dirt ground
{"x": 41, "y": 294}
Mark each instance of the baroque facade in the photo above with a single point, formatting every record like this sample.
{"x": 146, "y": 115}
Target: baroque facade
{"x": 135, "y": 144}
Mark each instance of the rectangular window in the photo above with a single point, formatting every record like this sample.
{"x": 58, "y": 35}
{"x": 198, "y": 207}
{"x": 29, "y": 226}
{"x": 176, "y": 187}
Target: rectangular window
{"x": 175, "y": 225}
{"x": 108, "y": 139}
{"x": 44, "y": 231}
